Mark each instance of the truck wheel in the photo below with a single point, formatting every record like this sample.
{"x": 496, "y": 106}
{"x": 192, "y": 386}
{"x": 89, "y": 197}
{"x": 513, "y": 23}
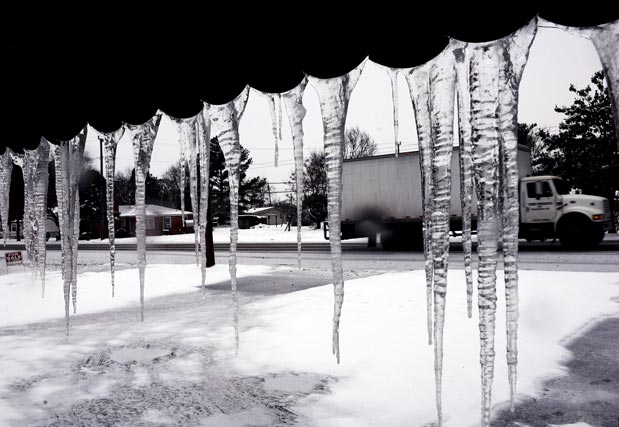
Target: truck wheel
{"x": 390, "y": 241}
{"x": 578, "y": 232}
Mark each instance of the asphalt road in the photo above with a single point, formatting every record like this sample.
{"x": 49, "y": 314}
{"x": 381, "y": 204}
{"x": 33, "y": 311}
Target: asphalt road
{"x": 548, "y": 246}
{"x": 354, "y": 259}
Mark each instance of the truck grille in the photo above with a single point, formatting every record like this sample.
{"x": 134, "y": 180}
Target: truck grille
{"x": 606, "y": 209}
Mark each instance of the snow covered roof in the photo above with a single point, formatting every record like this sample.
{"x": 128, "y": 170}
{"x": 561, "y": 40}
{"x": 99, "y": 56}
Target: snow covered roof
{"x": 258, "y": 211}
{"x": 151, "y": 210}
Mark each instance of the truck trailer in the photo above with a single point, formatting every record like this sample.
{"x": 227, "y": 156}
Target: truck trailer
{"x": 381, "y": 196}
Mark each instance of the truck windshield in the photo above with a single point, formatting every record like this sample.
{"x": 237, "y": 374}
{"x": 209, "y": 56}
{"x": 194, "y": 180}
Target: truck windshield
{"x": 561, "y": 186}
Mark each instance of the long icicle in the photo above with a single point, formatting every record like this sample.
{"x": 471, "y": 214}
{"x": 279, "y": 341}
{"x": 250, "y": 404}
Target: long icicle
{"x": 187, "y": 135}
{"x": 418, "y": 83}
{"x": 142, "y": 140}
{"x": 29, "y": 171}
{"x": 59, "y": 179}
{"x": 182, "y": 178}
{"x": 40, "y": 174}
{"x": 334, "y": 95}
{"x": 203, "y": 132}
{"x": 20, "y": 160}
{"x": 275, "y": 106}
{"x": 74, "y": 248}
{"x": 109, "y": 142}
{"x": 435, "y": 82}
{"x": 6, "y": 169}
{"x": 466, "y": 179}
{"x": 393, "y": 77}
{"x": 484, "y": 94}
{"x": 224, "y": 121}
{"x": 68, "y": 161}
{"x": 495, "y": 71}
{"x": 293, "y": 99}
{"x": 515, "y": 55}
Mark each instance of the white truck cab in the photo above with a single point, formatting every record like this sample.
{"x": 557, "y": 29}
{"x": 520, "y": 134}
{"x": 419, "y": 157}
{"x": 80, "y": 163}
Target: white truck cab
{"x": 548, "y": 210}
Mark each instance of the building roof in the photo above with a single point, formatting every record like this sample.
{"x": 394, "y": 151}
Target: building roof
{"x": 151, "y": 210}
{"x": 259, "y": 211}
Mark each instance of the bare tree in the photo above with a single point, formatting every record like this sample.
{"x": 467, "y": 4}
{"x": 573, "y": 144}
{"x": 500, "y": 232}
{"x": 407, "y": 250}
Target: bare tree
{"x": 358, "y": 144}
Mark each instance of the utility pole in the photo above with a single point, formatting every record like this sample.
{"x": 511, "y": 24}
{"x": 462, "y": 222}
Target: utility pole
{"x": 103, "y": 193}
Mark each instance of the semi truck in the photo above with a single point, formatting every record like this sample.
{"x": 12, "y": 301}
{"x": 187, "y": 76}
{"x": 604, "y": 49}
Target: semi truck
{"x": 381, "y": 197}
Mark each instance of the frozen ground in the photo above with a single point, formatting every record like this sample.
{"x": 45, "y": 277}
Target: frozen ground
{"x": 179, "y": 367}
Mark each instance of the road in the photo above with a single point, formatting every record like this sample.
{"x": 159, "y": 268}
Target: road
{"x": 355, "y": 258}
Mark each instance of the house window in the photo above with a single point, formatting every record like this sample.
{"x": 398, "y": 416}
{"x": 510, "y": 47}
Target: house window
{"x": 167, "y": 222}
{"x": 150, "y": 223}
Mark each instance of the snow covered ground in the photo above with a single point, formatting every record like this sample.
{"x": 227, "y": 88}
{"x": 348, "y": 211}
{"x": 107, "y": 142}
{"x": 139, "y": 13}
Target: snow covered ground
{"x": 258, "y": 234}
{"x": 261, "y": 233}
{"x": 179, "y": 366}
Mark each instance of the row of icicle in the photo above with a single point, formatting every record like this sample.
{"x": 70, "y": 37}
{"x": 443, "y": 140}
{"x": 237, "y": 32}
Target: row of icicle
{"x": 483, "y": 78}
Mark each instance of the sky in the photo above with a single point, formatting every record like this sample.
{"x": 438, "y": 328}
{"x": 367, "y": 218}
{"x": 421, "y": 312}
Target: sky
{"x": 556, "y": 60}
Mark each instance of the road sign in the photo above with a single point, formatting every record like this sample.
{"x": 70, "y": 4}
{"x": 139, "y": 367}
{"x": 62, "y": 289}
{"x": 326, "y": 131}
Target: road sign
{"x": 13, "y": 258}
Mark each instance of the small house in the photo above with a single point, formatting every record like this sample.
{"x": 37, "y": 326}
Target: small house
{"x": 272, "y": 214}
{"x": 160, "y": 221}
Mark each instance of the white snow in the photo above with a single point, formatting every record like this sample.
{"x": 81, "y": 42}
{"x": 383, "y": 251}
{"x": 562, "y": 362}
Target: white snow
{"x": 259, "y": 233}
{"x": 21, "y": 302}
{"x": 386, "y": 375}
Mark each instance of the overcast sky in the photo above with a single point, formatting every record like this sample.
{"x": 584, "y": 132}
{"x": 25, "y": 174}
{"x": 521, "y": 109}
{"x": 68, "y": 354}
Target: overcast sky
{"x": 556, "y": 60}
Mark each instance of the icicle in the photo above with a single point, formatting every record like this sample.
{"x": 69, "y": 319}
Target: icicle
{"x": 224, "y": 121}
{"x": 58, "y": 181}
{"x": 334, "y": 95}
{"x": 293, "y": 99}
{"x": 203, "y": 132}
{"x": 432, "y": 88}
{"x": 418, "y": 82}
{"x": 142, "y": 139}
{"x": 109, "y": 142}
{"x": 34, "y": 169}
{"x": 276, "y": 119}
{"x": 605, "y": 38}
{"x": 466, "y": 180}
{"x": 393, "y": 76}
{"x": 181, "y": 173}
{"x": 68, "y": 158}
{"x": 515, "y": 56}
{"x": 20, "y": 160}
{"x": 74, "y": 248}
{"x": 240, "y": 102}
{"x": 38, "y": 162}
{"x": 495, "y": 72}
{"x": 6, "y": 169}
{"x": 187, "y": 134}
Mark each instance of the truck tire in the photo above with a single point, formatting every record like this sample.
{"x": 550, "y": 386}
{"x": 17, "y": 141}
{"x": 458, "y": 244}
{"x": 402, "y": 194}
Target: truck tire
{"x": 403, "y": 238}
{"x": 577, "y": 231}
{"x": 390, "y": 241}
